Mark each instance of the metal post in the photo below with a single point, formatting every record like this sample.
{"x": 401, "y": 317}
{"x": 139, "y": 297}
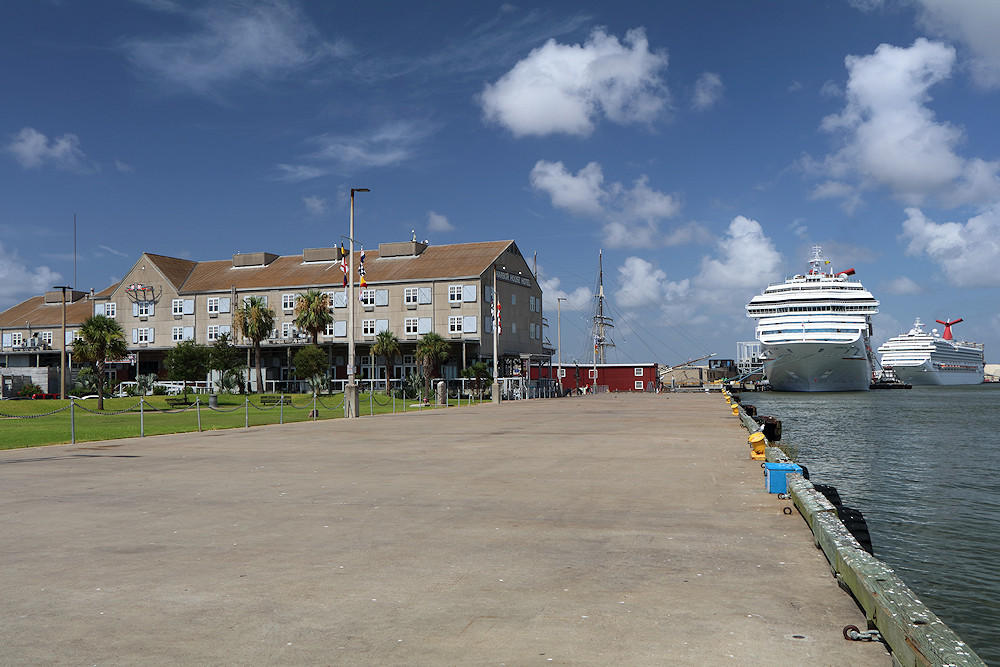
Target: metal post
{"x": 72, "y": 419}
{"x": 197, "y": 407}
{"x": 496, "y": 336}
{"x": 315, "y": 413}
{"x": 281, "y": 409}
{"x": 142, "y": 420}
{"x": 351, "y": 389}
{"x": 62, "y": 348}
{"x": 246, "y": 412}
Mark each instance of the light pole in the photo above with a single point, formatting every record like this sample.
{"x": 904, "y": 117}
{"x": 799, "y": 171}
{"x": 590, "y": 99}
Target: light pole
{"x": 559, "y": 301}
{"x": 351, "y": 390}
{"x": 495, "y": 391}
{"x": 62, "y": 349}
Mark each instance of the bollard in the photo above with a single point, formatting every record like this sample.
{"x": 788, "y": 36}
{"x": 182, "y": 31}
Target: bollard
{"x": 757, "y": 444}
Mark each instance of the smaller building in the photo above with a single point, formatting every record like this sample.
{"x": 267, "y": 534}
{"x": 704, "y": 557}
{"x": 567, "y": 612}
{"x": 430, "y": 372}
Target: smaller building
{"x": 604, "y": 377}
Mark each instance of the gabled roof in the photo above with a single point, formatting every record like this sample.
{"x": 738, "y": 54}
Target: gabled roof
{"x": 173, "y": 269}
{"x": 41, "y": 315}
{"x": 435, "y": 263}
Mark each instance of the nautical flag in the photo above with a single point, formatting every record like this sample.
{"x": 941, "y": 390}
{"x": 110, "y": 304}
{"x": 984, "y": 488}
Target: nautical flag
{"x": 343, "y": 267}
{"x": 362, "y": 255}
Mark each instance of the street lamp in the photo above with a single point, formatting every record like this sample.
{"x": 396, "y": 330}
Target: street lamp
{"x": 559, "y": 301}
{"x": 351, "y": 390}
{"x": 496, "y": 338}
{"x": 62, "y": 349}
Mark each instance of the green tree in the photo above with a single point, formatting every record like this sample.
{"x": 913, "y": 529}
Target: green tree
{"x": 432, "y": 350}
{"x": 188, "y": 362}
{"x": 100, "y": 338}
{"x": 480, "y": 372}
{"x": 386, "y": 345}
{"x": 312, "y": 312}
{"x": 227, "y": 359}
{"x": 255, "y": 322}
{"x": 312, "y": 366}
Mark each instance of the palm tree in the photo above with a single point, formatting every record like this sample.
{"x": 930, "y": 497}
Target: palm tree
{"x": 386, "y": 345}
{"x": 431, "y": 351}
{"x": 101, "y": 338}
{"x": 256, "y": 322}
{"x": 312, "y": 312}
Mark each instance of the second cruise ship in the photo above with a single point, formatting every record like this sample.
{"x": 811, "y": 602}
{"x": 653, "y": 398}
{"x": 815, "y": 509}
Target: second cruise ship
{"x": 814, "y": 330}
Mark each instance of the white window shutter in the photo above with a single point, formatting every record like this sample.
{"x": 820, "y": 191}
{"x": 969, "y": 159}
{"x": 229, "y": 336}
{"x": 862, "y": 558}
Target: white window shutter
{"x": 469, "y": 293}
{"x": 69, "y": 338}
{"x": 150, "y": 331}
{"x": 225, "y": 329}
{"x": 135, "y": 335}
{"x": 135, "y": 309}
{"x": 381, "y": 325}
{"x": 188, "y": 333}
{"x": 424, "y": 295}
{"x": 98, "y": 309}
{"x": 381, "y": 297}
{"x": 224, "y": 304}
{"x": 340, "y": 300}
{"x": 340, "y": 329}
{"x": 150, "y": 308}
{"x": 189, "y": 306}
{"x": 423, "y": 325}
{"x": 488, "y": 294}
{"x": 8, "y": 340}
{"x": 469, "y": 324}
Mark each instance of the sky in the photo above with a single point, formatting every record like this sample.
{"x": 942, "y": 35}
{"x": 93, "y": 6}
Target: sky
{"x": 700, "y": 148}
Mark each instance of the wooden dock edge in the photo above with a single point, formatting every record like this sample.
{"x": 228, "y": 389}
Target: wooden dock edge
{"x": 914, "y": 634}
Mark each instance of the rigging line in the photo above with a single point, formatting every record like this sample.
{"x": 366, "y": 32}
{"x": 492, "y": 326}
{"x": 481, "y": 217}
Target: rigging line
{"x": 621, "y": 317}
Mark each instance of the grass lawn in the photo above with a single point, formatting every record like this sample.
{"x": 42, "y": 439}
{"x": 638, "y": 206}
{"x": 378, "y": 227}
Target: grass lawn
{"x": 29, "y": 423}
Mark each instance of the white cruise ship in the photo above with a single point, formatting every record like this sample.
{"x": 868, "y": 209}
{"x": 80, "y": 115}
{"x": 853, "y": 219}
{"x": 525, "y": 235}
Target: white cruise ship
{"x": 921, "y": 358}
{"x": 814, "y": 330}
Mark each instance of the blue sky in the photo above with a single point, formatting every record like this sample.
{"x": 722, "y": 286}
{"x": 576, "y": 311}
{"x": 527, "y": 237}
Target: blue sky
{"x": 703, "y": 146}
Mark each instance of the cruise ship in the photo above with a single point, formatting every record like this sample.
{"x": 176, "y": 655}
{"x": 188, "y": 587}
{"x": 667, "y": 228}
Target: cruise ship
{"x": 815, "y": 329}
{"x": 921, "y": 358}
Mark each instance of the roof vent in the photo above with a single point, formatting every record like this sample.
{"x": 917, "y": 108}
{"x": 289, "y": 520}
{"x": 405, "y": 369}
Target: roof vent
{"x": 253, "y": 259}
{"x": 403, "y": 249}
{"x": 321, "y": 254}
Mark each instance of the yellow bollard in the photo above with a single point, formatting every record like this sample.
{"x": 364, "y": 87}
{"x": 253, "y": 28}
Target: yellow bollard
{"x": 757, "y": 443}
{"x": 736, "y": 409}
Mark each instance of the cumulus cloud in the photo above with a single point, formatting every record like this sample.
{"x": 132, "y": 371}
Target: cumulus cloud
{"x": 966, "y": 252}
{"x": 438, "y": 223}
{"x": 708, "y": 90}
{"x": 18, "y": 282}
{"x": 902, "y": 285}
{"x": 315, "y": 205}
{"x": 890, "y": 138}
{"x": 579, "y": 299}
{"x": 34, "y": 150}
{"x": 746, "y": 261}
{"x": 644, "y": 285}
{"x": 231, "y": 43}
{"x": 569, "y": 88}
{"x": 973, "y": 23}
{"x": 631, "y": 215}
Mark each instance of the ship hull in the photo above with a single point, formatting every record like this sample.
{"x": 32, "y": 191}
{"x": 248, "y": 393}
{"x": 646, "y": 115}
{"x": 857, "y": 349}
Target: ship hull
{"x": 817, "y": 366}
{"x": 926, "y": 375}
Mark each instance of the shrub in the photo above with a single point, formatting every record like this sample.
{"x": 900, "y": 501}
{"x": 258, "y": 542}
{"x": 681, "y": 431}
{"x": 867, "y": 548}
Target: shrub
{"x": 29, "y": 390}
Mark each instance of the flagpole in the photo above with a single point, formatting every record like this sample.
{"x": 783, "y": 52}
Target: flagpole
{"x": 351, "y": 389}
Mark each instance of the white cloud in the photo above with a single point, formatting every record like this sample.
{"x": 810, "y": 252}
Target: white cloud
{"x": 975, "y": 24}
{"x": 579, "y": 299}
{"x": 643, "y": 285}
{"x": 230, "y": 43}
{"x": 966, "y": 252}
{"x": 630, "y": 215}
{"x": 117, "y": 253}
{"x": 123, "y": 167}
{"x": 438, "y": 223}
{"x": 567, "y": 88}
{"x": 315, "y": 205}
{"x": 34, "y": 150}
{"x": 708, "y": 90}
{"x": 18, "y": 282}
{"x": 747, "y": 261}
{"x": 386, "y": 146}
{"x": 902, "y": 285}
{"x": 891, "y": 139}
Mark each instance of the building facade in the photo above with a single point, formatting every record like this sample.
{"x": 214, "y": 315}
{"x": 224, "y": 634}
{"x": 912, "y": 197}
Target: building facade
{"x": 412, "y": 289}
{"x": 606, "y": 377}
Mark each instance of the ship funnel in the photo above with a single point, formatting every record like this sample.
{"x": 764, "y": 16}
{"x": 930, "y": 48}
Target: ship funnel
{"x": 848, "y": 272}
{"x": 947, "y": 327}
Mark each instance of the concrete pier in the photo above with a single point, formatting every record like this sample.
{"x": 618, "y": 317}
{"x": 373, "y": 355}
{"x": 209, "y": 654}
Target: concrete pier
{"x": 599, "y": 530}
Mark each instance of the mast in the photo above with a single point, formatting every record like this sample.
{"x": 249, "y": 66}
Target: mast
{"x": 601, "y": 322}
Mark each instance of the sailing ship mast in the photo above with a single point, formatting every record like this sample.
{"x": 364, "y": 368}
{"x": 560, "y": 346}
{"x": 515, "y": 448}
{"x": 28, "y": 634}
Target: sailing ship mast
{"x": 601, "y": 322}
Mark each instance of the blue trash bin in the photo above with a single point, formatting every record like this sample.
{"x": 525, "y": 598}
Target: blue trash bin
{"x": 775, "y": 476}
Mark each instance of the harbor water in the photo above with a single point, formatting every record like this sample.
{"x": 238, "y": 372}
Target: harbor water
{"x": 923, "y": 465}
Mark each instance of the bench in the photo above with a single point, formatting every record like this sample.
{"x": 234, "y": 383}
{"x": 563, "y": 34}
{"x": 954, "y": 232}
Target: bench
{"x": 271, "y": 399}
{"x": 178, "y": 400}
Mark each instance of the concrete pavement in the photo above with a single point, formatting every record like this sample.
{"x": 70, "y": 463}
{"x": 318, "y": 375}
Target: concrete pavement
{"x": 596, "y": 530}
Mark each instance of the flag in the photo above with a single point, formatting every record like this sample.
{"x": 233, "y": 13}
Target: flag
{"x": 362, "y": 255}
{"x": 343, "y": 267}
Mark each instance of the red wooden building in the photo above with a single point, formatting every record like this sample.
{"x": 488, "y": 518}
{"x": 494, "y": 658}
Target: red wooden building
{"x": 606, "y": 377}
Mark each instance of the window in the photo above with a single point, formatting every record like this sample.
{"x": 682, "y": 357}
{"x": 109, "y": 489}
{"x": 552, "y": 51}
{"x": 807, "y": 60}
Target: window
{"x": 455, "y": 324}
{"x": 513, "y": 299}
{"x": 367, "y": 297}
{"x": 531, "y": 330}
{"x": 17, "y": 338}
{"x": 213, "y": 333}
{"x": 410, "y": 296}
{"x": 562, "y": 372}
{"x": 46, "y": 337}
{"x": 455, "y": 294}
{"x": 329, "y": 301}
{"x": 142, "y": 335}
{"x": 328, "y": 331}
{"x": 142, "y": 309}
{"x": 262, "y": 297}
{"x": 513, "y": 327}
{"x": 110, "y": 308}
{"x": 638, "y": 385}
{"x": 288, "y": 302}
{"x": 176, "y": 333}
{"x": 638, "y": 372}
{"x": 410, "y": 326}
{"x": 213, "y": 305}
{"x": 287, "y": 329}
{"x": 368, "y": 327}
{"x": 592, "y": 373}
{"x": 176, "y": 307}
{"x": 531, "y": 303}
{"x": 75, "y": 335}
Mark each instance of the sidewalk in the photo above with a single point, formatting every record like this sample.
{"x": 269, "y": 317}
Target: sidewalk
{"x": 598, "y": 530}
